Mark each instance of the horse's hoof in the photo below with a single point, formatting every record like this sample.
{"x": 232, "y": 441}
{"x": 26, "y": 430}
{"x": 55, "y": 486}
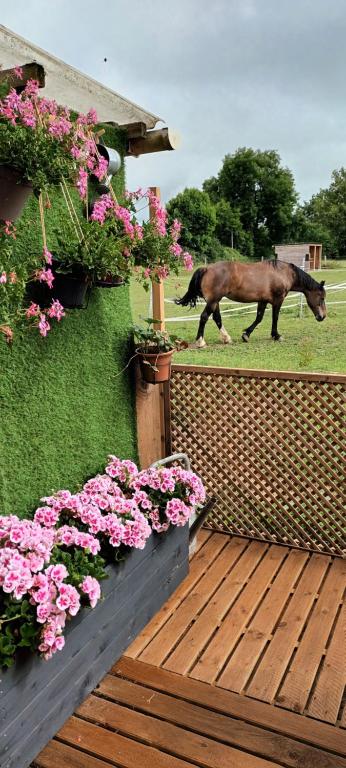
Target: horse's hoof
{"x": 225, "y": 337}
{"x": 245, "y": 337}
{"x": 200, "y": 343}
{"x": 277, "y": 338}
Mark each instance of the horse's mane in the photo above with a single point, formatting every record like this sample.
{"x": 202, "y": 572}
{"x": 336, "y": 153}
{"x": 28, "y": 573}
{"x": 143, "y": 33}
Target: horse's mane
{"x": 304, "y": 280}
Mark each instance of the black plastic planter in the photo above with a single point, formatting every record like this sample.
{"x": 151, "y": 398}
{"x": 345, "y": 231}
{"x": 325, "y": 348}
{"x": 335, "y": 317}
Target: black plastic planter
{"x": 37, "y": 696}
{"x": 109, "y": 281}
{"x": 70, "y": 288}
{"x": 13, "y": 193}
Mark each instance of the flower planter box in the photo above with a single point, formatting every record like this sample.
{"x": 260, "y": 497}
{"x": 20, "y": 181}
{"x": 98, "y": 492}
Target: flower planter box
{"x": 37, "y": 696}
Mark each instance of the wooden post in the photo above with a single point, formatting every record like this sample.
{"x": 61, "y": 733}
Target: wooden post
{"x": 157, "y": 288}
{"x": 151, "y": 399}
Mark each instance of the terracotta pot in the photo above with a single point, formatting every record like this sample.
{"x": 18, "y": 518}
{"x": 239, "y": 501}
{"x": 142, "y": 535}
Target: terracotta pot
{"x": 149, "y": 362}
{"x": 109, "y": 281}
{"x": 13, "y": 193}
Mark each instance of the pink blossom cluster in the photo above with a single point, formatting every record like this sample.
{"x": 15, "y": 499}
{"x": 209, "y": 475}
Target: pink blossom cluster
{"x": 173, "y": 494}
{"x": 120, "y": 507}
{"x": 30, "y": 110}
{"x": 55, "y": 311}
{"x": 171, "y": 235}
{"x": 103, "y": 509}
{"x": 25, "y": 549}
{"x": 8, "y": 277}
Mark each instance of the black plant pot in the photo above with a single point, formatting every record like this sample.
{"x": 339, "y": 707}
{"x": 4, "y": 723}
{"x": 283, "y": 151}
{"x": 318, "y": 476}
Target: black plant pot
{"x": 109, "y": 281}
{"x": 69, "y": 288}
{"x": 13, "y": 193}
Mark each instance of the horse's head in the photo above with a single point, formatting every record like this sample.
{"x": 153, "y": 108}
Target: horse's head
{"x": 315, "y": 298}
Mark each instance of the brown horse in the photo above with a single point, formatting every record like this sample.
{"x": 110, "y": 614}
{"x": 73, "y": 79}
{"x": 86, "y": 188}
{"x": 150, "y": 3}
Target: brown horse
{"x": 266, "y": 282}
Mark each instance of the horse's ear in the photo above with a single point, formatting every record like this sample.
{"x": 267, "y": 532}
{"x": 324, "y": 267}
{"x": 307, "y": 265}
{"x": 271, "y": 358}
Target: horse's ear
{"x": 322, "y": 283}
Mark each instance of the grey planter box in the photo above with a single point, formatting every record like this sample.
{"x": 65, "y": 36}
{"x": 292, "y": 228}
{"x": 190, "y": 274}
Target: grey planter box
{"x": 36, "y": 697}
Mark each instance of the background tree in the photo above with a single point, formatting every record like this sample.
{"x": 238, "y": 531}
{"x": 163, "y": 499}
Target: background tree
{"x": 198, "y": 216}
{"x": 323, "y": 218}
{"x": 255, "y": 184}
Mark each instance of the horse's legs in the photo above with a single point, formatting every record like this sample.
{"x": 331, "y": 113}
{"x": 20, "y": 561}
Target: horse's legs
{"x": 275, "y": 316}
{"x": 208, "y": 310}
{"x": 261, "y": 306}
{"x": 217, "y": 319}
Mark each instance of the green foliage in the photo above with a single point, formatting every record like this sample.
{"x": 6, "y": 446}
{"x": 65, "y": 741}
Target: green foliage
{"x": 63, "y": 403}
{"x": 100, "y": 249}
{"x": 261, "y": 192}
{"x": 323, "y": 218}
{"x": 198, "y": 217}
{"x": 18, "y": 628}
{"x": 79, "y": 563}
{"x": 153, "y": 340}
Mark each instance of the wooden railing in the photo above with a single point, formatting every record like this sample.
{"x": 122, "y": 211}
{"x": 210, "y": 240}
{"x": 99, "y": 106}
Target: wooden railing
{"x": 270, "y": 445}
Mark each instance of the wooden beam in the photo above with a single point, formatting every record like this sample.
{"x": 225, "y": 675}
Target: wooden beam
{"x": 153, "y": 141}
{"x": 134, "y": 130}
{"x": 32, "y": 71}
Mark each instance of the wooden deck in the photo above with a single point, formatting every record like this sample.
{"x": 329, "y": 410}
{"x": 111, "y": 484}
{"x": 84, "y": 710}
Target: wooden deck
{"x": 244, "y": 667}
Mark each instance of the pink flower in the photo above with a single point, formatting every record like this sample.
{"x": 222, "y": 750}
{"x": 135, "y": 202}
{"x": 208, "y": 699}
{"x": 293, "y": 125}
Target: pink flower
{"x": 43, "y": 325}
{"x": 45, "y": 276}
{"x": 33, "y": 310}
{"x": 82, "y": 183}
{"x": 18, "y": 71}
{"x": 3, "y": 277}
{"x": 47, "y": 256}
{"x": 91, "y": 587}
{"x": 56, "y": 310}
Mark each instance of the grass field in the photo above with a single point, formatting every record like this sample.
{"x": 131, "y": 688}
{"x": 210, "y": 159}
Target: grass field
{"x": 307, "y": 345}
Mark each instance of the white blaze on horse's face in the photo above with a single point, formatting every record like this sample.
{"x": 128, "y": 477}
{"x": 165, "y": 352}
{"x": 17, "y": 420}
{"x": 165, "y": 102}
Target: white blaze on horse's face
{"x": 316, "y": 301}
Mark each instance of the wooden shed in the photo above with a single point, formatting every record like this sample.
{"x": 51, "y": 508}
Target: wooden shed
{"x": 305, "y": 255}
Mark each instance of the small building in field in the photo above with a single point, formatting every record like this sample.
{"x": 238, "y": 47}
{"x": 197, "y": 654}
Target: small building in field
{"x": 308, "y": 256}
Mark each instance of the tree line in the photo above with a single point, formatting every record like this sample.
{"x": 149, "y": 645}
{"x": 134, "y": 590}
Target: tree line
{"x": 252, "y": 205}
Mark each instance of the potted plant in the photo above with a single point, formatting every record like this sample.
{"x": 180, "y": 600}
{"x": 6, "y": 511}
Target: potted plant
{"x": 50, "y": 568}
{"x": 154, "y": 350}
{"x": 41, "y": 144}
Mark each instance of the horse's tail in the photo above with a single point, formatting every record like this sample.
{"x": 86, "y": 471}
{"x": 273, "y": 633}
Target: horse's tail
{"x": 194, "y": 289}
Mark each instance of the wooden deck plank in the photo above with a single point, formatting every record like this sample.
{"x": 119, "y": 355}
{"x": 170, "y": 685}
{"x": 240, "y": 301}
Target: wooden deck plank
{"x": 215, "y": 725}
{"x": 216, "y": 653}
{"x": 296, "y": 688}
{"x": 198, "y": 565}
{"x": 273, "y": 665}
{"x": 245, "y": 657}
{"x": 160, "y": 734}
{"x": 327, "y": 696}
{"x": 176, "y": 626}
{"x": 58, "y": 755}
{"x": 318, "y": 734}
{"x": 118, "y": 750}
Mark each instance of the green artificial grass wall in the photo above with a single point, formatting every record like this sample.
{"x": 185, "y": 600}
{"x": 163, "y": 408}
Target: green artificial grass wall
{"x": 65, "y": 401}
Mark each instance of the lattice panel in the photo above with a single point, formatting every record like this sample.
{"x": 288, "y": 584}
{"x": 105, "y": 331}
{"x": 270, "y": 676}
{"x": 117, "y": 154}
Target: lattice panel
{"x": 271, "y": 447}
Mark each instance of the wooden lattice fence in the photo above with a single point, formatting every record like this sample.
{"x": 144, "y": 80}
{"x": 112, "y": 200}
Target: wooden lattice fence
{"x": 271, "y": 446}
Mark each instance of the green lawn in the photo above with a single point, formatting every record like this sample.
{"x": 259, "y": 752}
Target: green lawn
{"x": 307, "y": 345}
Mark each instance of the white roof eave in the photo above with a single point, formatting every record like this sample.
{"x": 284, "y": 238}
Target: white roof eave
{"x": 70, "y": 87}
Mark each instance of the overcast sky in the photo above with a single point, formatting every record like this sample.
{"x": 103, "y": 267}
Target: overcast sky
{"x": 267, "y": 74}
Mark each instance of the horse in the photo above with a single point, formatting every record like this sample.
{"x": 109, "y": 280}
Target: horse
{"x": 264, "y": 282}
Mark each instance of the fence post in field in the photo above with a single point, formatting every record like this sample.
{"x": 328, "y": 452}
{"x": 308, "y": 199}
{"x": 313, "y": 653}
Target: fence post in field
{"x": 151, "y": 398}
{"x": 158, "y": 297}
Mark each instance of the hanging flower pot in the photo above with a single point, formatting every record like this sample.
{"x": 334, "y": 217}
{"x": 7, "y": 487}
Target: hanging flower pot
{"x": 156, "y": 366}
{"x": 109, "y": 281}
{"x": 13, "y": 193}
{"x": 70, "y": 288}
